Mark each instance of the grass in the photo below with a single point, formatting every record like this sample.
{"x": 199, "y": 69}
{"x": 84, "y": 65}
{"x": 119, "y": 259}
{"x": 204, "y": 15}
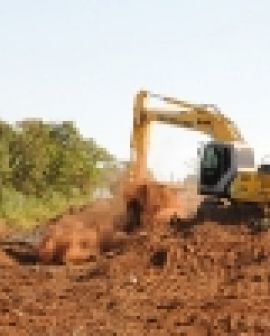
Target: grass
{"x": 17, "y": 209}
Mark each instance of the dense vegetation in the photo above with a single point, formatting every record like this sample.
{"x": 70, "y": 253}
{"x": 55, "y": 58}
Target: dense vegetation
{"x": 45, "y": 167}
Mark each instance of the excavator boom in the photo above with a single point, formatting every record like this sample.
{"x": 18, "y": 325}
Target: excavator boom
{"x": 204, "y": 118}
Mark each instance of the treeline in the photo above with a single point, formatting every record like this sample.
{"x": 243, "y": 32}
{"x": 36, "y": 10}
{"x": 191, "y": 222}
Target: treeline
{"x": 46, "y": 161}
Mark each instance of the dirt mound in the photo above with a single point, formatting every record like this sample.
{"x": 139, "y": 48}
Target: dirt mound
{"x": 155, "y": 196}
{"x": 212, "y": 279}
{"x": 152, "y": 202}
{"x": 80, "y": 235}
{"x": 68, "y": 241}
{"x": 74, "y": 240}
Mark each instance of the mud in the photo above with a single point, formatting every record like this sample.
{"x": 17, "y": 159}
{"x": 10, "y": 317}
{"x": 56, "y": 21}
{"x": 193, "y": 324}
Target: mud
{"x": 211, "y": 278}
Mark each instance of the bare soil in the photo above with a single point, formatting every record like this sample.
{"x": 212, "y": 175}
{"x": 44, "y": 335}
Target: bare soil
{"x": 209, "y": 276}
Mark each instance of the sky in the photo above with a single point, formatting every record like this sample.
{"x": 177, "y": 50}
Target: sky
{"x": 83, "y": 60}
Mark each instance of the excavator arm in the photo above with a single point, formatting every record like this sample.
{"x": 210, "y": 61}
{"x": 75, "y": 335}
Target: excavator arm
{"x": 198, "y": 117}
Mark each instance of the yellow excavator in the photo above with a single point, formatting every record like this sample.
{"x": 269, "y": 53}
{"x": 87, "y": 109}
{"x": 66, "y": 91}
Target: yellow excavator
{"x": 227, "y": 165}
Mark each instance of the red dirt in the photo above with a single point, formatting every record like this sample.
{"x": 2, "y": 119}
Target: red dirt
{"x": 211, "y": 280}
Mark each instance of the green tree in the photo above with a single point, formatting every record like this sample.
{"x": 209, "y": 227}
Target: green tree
{"x": 55, "y": 157}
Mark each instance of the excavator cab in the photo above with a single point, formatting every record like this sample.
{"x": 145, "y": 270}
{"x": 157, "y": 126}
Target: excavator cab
{"x": 220, "y": 163}
{"x": 217, "y": 169}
